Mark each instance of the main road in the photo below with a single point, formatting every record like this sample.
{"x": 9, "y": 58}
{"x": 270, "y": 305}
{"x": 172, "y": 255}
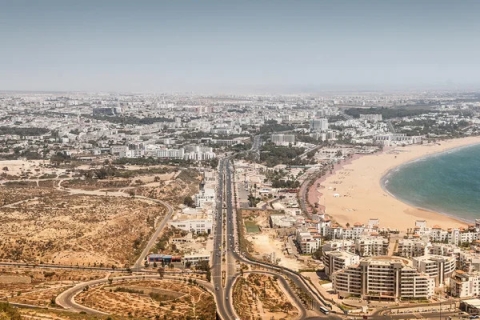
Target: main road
{"x": 232, "y": 246}
{"x": 224, "y": 308}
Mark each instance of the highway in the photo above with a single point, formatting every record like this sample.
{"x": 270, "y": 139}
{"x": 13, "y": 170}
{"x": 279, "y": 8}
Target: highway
{"x": 233, "y": 255}
{"x": 217, "y": 245}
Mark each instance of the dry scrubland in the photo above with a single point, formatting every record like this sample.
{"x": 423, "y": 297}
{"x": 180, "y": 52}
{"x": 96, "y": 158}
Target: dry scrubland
{"x": 39, "y": 287}
{"x": 36, "y": 314}
{"x": 79, "y": 222}
{"x": 259, "y": 296}
{"x": 262, "y": 244}
{"x": 39, "y": 223}
{"x": 167, "y": 299}
{"x": 76, "y": 229}
{"x": 173, "y": 191}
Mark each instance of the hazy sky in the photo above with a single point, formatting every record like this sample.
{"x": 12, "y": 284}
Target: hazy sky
{"x": 160, "y": 46}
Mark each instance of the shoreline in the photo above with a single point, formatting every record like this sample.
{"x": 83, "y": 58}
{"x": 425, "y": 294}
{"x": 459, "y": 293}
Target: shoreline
{"x": 360, "y": 192}
{"x": 384, "y": 179}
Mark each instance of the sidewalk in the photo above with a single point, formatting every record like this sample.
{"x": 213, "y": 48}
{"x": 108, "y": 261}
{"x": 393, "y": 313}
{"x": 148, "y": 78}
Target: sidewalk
{"x": 323, "y": 291}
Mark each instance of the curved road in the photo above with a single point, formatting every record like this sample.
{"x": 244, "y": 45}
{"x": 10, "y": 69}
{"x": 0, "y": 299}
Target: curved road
{"x": 297, "y": 279}
{"x": 67, "y": 298}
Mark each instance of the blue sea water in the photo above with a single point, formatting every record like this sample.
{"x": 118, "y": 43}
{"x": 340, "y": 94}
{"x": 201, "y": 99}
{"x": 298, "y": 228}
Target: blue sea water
{"x": 447, "y": 182}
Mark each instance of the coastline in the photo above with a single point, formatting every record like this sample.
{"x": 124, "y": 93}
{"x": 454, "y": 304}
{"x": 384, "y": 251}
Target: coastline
{"x": 356, "y": 191}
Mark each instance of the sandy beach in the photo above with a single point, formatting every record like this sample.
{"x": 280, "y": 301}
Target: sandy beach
{"x": 354, "y": 192}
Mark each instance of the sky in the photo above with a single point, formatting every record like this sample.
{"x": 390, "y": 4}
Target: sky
{"x": 235, "y": 46}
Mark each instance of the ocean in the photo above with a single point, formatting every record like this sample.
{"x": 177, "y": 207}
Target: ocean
{"x": 447, "y": 182}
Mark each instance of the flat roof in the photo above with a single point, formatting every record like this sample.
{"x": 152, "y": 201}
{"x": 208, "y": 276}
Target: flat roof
{"x": 473, "y": 302}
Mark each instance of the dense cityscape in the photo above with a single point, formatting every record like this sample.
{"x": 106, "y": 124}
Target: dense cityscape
{"x": 233, "y": 197}
{"x": 239, "y": 160}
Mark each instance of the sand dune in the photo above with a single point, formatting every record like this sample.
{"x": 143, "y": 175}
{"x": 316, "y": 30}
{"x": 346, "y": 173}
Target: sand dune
{"x": 354, "y": 193}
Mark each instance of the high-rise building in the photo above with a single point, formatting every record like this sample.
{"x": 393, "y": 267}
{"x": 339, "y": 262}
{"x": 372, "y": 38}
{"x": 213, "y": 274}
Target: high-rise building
{"x": 319, "y": 124}
{"x": 281, "y": 139}
{"x": 385, "y": 278}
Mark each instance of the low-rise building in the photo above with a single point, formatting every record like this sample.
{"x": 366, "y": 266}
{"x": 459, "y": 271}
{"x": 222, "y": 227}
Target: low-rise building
{"x": 194, "y": 225}
{"x": 196, "y": 258}
{"x": 281, "y": 221}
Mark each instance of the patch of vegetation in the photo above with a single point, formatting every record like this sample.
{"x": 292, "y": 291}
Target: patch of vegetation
{"x": 30, "y": 131}
{"x": 387, "y": 113}
{"x": 128, "y": 290}
{"x": 273, "y": 155}
{"x": 273, "y": 126}
{"x": 9, "y": 312}
{"x": 129, "y": 119}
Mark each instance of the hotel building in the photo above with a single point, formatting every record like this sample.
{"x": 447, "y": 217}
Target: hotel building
{"x": 383, "y": 278}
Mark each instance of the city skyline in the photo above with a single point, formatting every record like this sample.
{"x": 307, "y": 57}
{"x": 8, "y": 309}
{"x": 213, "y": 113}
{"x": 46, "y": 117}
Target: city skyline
{"x": 307, "y": 46}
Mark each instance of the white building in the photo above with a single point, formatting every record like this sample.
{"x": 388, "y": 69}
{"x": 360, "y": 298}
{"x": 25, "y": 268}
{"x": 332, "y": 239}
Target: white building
{"x": 371, "y": 246}
{"x": 171, "y": 153}
{"x": 196, "y": 258}
{"x": 463, "y": 284}
{"x": 397, "y": 138}
{"x": 197, "y": 225}
{"x": 337, "y": 260}
{"x": 438, "y": 267}
{"x": 319, "y": 124}
{"x": 205, "y": 195}
{"x": 339, "y": 245}
{"x": 307, "y": 242}
{"x": 280, "y": 139}
{"x": 371, "y": 117}
{"x": 412, "y": 247}
{"x": 385, "y": 278}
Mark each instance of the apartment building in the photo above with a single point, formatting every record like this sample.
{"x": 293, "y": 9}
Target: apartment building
{"x": 444, "y": 249}
{"x": 171, "y": 153}
{"x": 339, "y": 245}
{"x": 463, "y": 284}
{"x": 337, "y": 260}
{"x": 440, "y": 268}
{"x": 468, "y": 261}
{"x": 319, "y": 124}
{"x": 409, "y": 248}
{"x": 307, "y": 242}
{"x": 383, "y": 278}
{"x": 280, "y": 139}
{"x": 371, "y": 117}
{"x": 204, "y": 195}
{"x": 371, "y": 246}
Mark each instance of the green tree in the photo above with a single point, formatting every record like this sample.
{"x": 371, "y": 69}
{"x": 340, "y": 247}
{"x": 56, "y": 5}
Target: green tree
{"x": 188, "y": 201}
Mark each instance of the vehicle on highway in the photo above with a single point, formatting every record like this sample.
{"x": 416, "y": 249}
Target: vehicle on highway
{"x": 324, "y": 310}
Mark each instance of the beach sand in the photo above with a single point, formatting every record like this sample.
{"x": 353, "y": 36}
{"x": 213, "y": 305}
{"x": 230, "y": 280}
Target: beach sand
{"x": 354, "y": 192}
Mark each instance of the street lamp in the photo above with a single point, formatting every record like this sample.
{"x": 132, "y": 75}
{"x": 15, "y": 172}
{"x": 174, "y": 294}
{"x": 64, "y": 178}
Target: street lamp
{"x": 440, "y": 309}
